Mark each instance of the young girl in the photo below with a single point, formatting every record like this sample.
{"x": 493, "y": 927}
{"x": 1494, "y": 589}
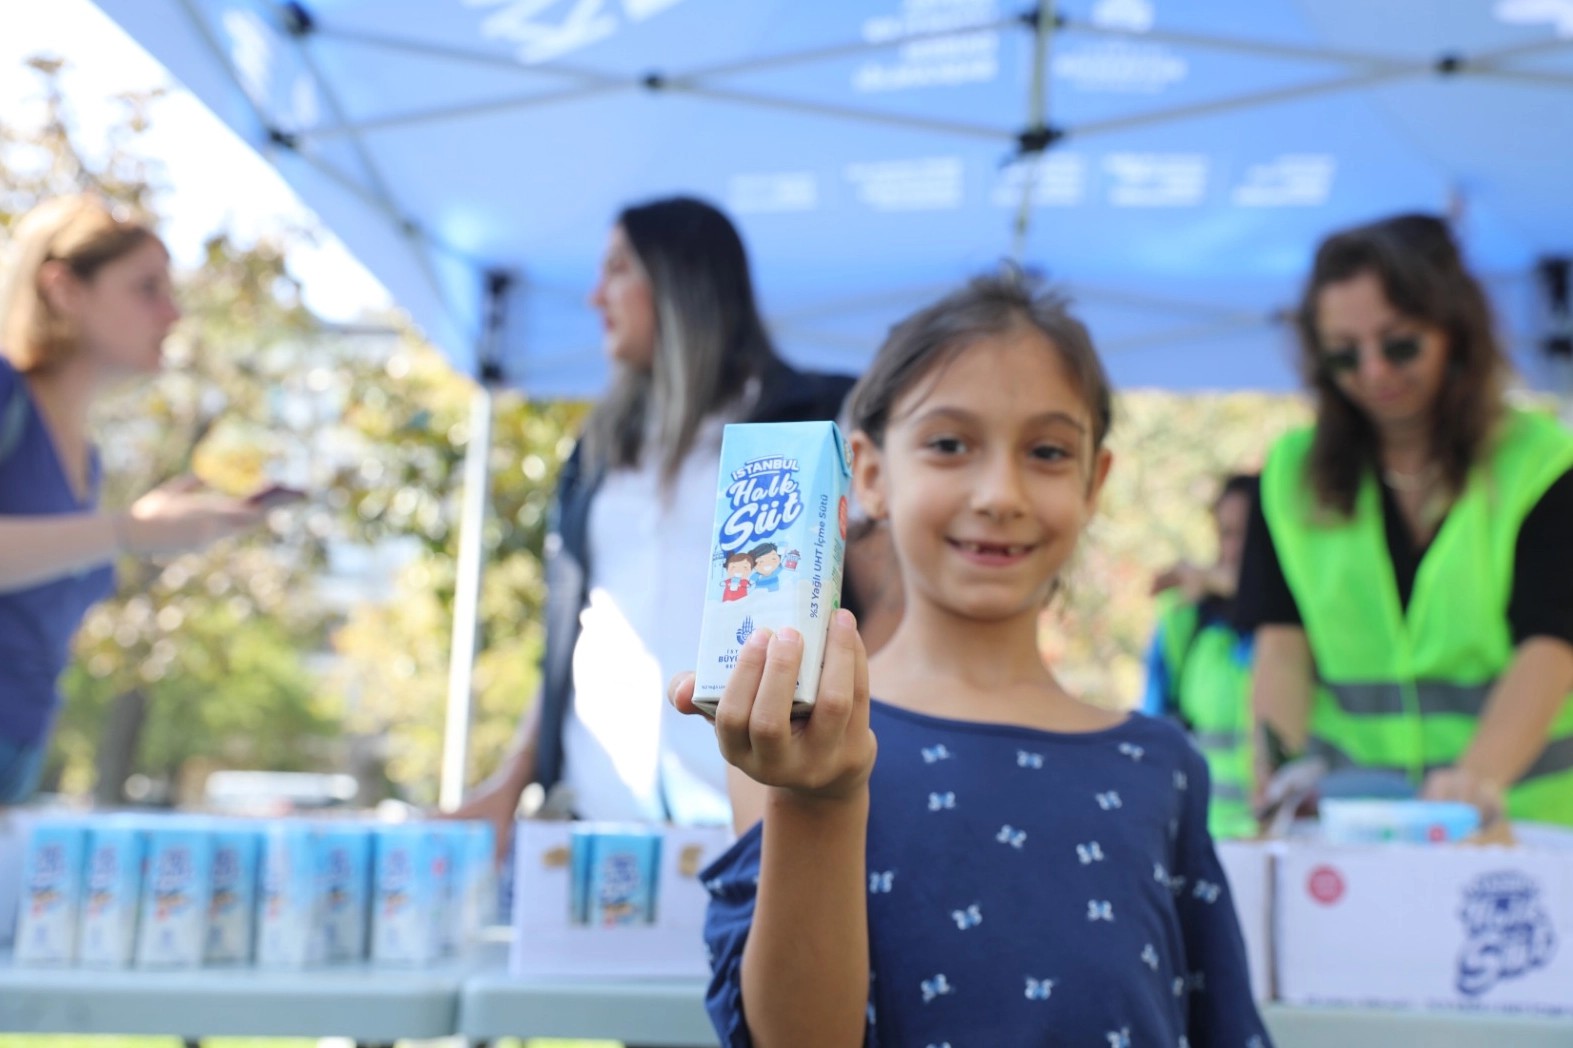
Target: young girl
{"x": 1018, "y": 867}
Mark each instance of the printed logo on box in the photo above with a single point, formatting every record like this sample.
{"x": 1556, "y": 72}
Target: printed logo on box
{"x": 1326, "y": 885}
{"x": 1508, "y": 931}
{"x": 765, "y": 500}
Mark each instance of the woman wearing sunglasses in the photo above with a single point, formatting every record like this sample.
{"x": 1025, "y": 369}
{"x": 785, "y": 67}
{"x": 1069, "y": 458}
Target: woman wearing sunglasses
{"x": 1408, "y": 570}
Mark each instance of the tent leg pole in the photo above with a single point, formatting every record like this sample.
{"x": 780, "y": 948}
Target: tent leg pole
{"x": 466, "y": 600}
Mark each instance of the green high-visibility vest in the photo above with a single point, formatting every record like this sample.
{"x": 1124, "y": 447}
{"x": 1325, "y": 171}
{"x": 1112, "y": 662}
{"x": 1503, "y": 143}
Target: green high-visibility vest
{"x": 1212, "y": 685}
{"x": 1404, "y": 688}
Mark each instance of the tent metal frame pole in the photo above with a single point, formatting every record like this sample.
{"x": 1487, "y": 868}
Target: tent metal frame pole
{"x": 475, "y": 500}
{"x": 466, "y": 601}
{"x": 376, "y": 189}
{"x": 1037, "y": 124}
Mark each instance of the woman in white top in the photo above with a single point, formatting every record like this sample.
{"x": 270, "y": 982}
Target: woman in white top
{"x": 628, "y": 550}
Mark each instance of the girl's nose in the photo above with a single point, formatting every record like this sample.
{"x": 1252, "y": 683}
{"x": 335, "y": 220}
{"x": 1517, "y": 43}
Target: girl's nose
{"x": 998, "y": 491}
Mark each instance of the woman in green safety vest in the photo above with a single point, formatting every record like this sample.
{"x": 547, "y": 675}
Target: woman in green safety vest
{"x": 1199, "y": 664}
{"x": 1409, "y": 573}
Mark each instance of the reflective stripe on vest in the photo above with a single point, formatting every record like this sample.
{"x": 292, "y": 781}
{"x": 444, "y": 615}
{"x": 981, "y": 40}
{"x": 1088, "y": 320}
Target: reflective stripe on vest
{"x": 1403, "y": 688}
{"x": 1555, "y": 759}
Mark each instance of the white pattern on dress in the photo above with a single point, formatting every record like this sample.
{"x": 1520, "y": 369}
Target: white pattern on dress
{"x": 1150, "y": 957}
{"x": 1089, "y": 853}
{"x": 879, "y": 882}
{"x": 1120, "y": 1038}
{"x": 1028, "y": 760}
{"x": 1206, "y": 891}
{"x": 1100, "y": 910}
{"x": 1011, "y": 836}
{"x": 942, "y": 801}
{"x": 936, "y": 987}
{"x": 1131, "y": 750}
{"x": 936, "y": 753}
{"x": 1039, "y": 989}
{"x": 1109, "y": 801}
{"x": 971, "y": 917}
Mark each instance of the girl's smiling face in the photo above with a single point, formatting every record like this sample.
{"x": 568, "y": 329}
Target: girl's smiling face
{"x": 988, "y": 474}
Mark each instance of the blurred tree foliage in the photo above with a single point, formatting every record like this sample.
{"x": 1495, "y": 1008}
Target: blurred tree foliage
{"x": 1171, "y": 452}
{"x": 216, "y": 659}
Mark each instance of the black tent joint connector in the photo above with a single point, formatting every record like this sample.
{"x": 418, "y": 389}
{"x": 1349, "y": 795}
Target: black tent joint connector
{"x": 283, "y": 139}
{"x": 1037, "y": 140}
{"x": 297, "y": 20}
{"x": 1032, "y": 15}
{"x": 498, "y": 281}
{"x": 1451, "y": 64}
{"x": 653, "y": 81}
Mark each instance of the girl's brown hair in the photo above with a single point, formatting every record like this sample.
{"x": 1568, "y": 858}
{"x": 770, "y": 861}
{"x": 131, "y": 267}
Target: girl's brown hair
{"x": 80, "y": 232}
{"x": 1423, "y": 275}
{"x": 988, "y": 305}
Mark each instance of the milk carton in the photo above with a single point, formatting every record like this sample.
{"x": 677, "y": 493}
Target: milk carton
{"x": 621, "y": 869}
{"x": 15, "y": 826}
{"x": 780, "y": 533}
{"x": 51, "y": 892}
{"x": 291, "y": 910}
{"x": 411, "y": 886}
{"x": 177, "y": 891}
{"x": 233, "y": 910}
{"x": 344, "y": 869}
{"x": 112, "y": 893}
{"x": 476, "y": 876}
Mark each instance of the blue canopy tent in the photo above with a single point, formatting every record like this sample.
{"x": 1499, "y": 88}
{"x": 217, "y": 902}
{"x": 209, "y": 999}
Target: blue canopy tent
{"x": 1171, "y": 163}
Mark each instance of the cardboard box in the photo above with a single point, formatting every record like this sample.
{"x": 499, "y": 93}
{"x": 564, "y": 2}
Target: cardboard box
{"x": 1248, "y": 865}
{"x": 548, "y": 942}
{"x": 1417, "y": 926}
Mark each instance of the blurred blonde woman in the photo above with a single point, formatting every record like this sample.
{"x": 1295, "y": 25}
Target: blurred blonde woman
{"x": 86, "y": 302}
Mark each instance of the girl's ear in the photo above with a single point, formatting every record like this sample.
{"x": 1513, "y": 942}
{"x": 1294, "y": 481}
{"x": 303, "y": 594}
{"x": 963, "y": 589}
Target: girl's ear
{"x": 868, "y": 475}
{"x": 1101, "y": 463}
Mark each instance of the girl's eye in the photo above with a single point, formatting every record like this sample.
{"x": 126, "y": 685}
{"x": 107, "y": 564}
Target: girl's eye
{"x": 946, "y": 445}
{"x": 1050, "y": 453}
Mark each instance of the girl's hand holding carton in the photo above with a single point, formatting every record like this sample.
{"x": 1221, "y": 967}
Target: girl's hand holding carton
{"x": 829, "y": 754}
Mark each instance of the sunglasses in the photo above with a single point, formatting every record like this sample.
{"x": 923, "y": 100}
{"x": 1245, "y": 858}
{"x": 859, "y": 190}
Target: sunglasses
{"x": 1397, "y": 350}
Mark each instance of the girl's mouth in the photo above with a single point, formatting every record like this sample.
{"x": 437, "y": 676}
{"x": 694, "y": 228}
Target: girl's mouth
{"x": 991, "y": 553}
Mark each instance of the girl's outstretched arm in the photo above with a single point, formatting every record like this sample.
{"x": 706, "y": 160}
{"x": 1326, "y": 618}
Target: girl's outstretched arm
{"x": 805, "y": 967}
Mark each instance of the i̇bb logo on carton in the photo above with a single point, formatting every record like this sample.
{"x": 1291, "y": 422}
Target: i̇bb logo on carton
{"x": 1326, "y": 885}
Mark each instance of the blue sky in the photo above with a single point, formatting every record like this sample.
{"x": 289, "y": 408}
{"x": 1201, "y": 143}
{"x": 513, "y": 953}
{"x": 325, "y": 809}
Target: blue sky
{"x": 214, "y": 179}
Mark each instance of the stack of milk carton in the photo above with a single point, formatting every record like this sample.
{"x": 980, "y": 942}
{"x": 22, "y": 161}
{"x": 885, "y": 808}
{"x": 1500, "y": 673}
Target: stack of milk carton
{"x": 184, "y": 891}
